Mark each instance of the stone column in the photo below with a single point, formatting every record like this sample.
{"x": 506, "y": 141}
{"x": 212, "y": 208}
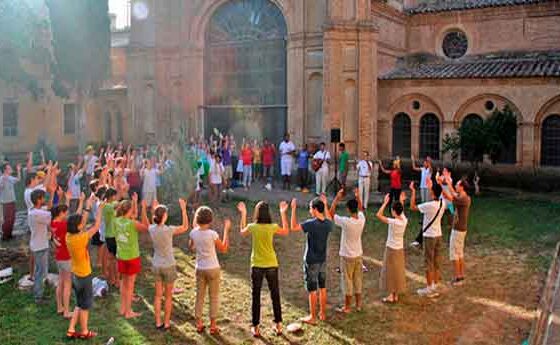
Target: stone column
{"x": 296, "y": 87}
{"x": 367, "y": 88}
{"x": 526, "y": 145}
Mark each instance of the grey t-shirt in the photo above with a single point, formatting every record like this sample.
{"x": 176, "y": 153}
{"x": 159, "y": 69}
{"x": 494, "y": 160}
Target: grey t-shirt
{"x": 162, "y": 237}
{"x": 39, "y": 222}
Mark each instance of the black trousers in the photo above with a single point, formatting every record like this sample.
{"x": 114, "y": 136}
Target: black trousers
{"x": 271, "y": 275}
{"x": 395, "y": 195}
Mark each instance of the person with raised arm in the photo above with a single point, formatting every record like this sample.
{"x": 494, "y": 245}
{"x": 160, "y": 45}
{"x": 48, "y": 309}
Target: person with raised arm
{"x": 393, "y": 279}
{"x": 77, "y": 241}
{"x": 351, "y": 251}
{"x": 395, "y": 176}
{"x": 432, "y": 235}
{"x": 264, "y": 262}
{"x": 128, "y": 251}
{"x": 8, "y": 198}
{"x": 462, "y": 203}
{"x": 208, "y": 272}
{"x": 425, "y": 175}
{"x": 163, "y": 261}
{"x": 317, "y": 230}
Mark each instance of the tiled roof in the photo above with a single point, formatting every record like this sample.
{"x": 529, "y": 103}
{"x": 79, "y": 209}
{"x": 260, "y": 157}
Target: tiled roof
{"x": 453, "y": 5}
{"x": 512, "y": 65}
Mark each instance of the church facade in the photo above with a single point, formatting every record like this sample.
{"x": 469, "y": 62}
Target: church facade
{"x": 395, "y": 76}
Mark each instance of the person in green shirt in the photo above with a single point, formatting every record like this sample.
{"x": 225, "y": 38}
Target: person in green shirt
{"x": 264, "y": 263}
{"x": 128, "y": 251}
{"x": 111, "y": 203}
{"x": 343, "y": 167}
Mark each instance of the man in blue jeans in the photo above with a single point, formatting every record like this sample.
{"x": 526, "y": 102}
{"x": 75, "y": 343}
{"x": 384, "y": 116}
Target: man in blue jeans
{"x": 317, "y": 230}
{"x": 39, "y": 222}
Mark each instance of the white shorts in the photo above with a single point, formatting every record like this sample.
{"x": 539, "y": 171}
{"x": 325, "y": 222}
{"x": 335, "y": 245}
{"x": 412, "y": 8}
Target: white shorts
{"x": 286, "y": 166}
{"x": 457, "y": 245}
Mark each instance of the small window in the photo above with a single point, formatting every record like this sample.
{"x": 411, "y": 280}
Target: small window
{"x": 489, "y": 105}
{"x": 70, "y": 119}
{"x": 455, "y": 44}
{"x": 10, "y": 119}
{"x": 429, "y": 136}
{"x": 416, "y": 105}
{"x": 550, "y": 141}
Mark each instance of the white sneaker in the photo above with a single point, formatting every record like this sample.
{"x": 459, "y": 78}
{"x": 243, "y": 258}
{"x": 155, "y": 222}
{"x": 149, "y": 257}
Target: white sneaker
{"x": 231, "y": 190}
{"x": 415, "y": 244}
{"x": 428, "y": 292}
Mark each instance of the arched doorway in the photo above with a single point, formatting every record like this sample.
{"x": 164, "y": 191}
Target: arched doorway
{"x": 468, "y": 152}
{"x": 550, "y": 141}
{"x": 245, "y": 70}
{"x": 401, "y": 135}
{"x": 429, "y": 136}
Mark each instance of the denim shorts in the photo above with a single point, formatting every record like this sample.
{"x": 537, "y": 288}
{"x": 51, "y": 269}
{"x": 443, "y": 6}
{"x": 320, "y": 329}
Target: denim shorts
{"x": 84, "y": 291}
{"x": 315, "y": 276}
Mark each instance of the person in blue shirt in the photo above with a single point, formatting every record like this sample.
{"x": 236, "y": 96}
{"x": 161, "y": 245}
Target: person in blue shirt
{"x": 303, "y": 168}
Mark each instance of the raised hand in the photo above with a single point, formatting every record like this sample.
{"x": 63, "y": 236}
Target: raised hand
{"x": 227, "y": 225}
{"x": 134, "y": 197}
{"x": 294, "y": 203}
{"x": 323, "y": 198}
{"x": 357, "y": 193}
{"x": 182, "y": 204}
{"x": 386, "y": 199}
{"x": 283, "y": 206}
{"x": 241, "y": 207}
{"x": 402, "y": 198}
{"x": 340, "y": 193}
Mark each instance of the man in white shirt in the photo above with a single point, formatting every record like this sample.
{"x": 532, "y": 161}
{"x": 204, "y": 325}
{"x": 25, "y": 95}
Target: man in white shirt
{"x": 350, "y": 249}
{"x": 287, "y": 149}
{"x": 322, "y": 175}
{"x": 364, "y": 169}
{"x": 74, "y": 186}
{"x": 149, "y": 186}
{"x": 8, "y": 199}
{"x": 431, "y": 226}
{"x": 39, "y": 223}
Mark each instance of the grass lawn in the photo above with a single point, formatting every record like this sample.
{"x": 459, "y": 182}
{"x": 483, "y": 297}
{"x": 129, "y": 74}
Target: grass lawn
{"x": 509, "y": 246}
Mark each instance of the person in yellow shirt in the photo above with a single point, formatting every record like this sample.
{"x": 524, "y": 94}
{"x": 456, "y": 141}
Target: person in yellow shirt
{"x": 77, "y": 240}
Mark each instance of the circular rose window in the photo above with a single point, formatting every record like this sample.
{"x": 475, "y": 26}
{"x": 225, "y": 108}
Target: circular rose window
{"x": 455, "y": 44}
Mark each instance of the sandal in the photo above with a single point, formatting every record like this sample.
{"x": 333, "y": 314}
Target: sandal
{"x": 89, "y": 335}
{"x": 214, "y": 331}
{"x": 71, "y": 335}
{"x": 160, "y": 327}
{"x": 278, "y": 331}
{"x": 200, "y": 329}
{"x": 388, "y": 301}
{"x": 255, "y": 332}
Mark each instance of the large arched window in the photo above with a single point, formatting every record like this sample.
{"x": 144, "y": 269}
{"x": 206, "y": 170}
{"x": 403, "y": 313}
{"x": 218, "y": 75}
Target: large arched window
{"x": 550, "y": 141}
{"x": 469, "y": 151}
{"x": 429, "y": 136}
{"x": 401, "y": 135}
{"x": 245, "y": 70}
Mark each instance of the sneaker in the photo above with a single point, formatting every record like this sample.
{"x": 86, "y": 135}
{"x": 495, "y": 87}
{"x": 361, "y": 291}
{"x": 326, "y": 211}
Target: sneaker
{"x": 415, "y": 244}
{"x": 230, "y": 190}
{"x": 224, "y": 191}
{"x": 427, "y": 292}
{"x": 364, "y": 269}
{"x": 298, "y": 189}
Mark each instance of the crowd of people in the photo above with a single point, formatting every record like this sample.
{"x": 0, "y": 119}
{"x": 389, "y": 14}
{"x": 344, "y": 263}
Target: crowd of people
{"x": 105, "y": 200}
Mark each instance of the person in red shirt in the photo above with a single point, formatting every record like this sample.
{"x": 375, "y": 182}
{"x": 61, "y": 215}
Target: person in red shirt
{"x": 268, "y": 153}
{"x": 59, "y": 227}
{"x": 395, "y": 176}
{"x": 247, "y": 158}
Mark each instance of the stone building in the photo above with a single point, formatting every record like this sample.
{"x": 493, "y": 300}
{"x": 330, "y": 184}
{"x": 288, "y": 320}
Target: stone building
{"x": 395, "y": 76}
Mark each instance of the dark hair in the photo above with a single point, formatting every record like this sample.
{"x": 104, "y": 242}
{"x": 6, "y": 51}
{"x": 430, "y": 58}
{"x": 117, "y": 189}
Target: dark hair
{"x": 323, "y": 144}
{"x": 203, "y": 215}
{"x": 342, "y": 145}
{"x": 4, "y": 166}
{"x": 352, "y": 205}
{"x": 123, "y": 208}
{"x": 57, "y": 210}
{"x": 465, "y": 184}
{"x": 318, "y": 205}
{"x": 100, "y": 193}
{"x": 109, "y": 193}
{"x": 93, "y": 185}
{"x": 73, "y": 224}
{"x": 29, "y": 178}
{"x": 97, "y": 172}
{"x": 436, "y": 189}
{"x": 262, "y": 213}
{"x": 36, "y": 195}
{"x": 159, "y": 213}
{"x": 398, "y": 208}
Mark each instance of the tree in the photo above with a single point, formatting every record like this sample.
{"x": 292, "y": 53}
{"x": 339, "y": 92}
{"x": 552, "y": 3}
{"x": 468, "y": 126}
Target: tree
{"x": 81, "y": 43}
{"x": 20, "y": 32}
{"x": 474, "y": 139}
